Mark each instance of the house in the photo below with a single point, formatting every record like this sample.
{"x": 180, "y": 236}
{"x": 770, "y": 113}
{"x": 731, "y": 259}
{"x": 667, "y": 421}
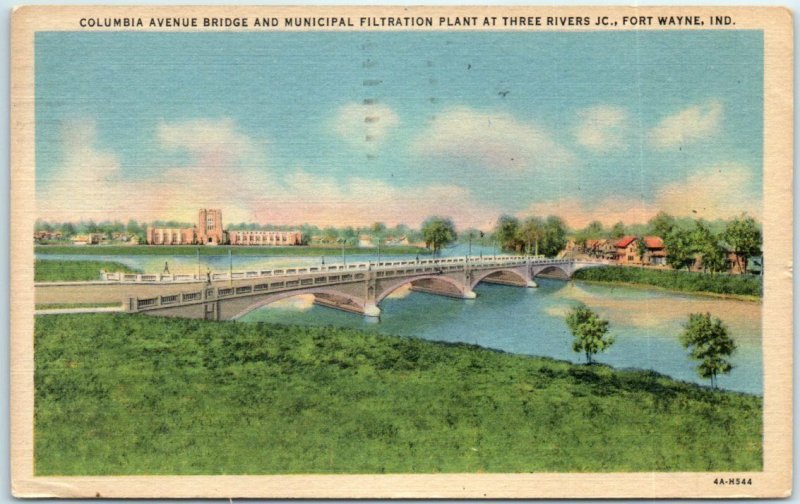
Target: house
{"x": 365, "y": 240}
{"x": 90, "y": 239}
{"x": 602, "y": 249}
{"x": 655, "y": 252}
{"x": 43, "y": 236}
{"x": 627, "y": 250}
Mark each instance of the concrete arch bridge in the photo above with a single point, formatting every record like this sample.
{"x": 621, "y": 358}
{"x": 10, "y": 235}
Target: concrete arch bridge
{"x": 357, "y": 288}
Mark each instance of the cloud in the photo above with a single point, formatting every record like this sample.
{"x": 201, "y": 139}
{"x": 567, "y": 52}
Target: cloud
{"x": 325, "y": 201}
{"x": 365, "y": 126}
{"x": 723, "y": 191}
{"x": 218, "y": 143}
{"x": 226, "y": 169}
{"x": 88, "y": 174}
{"x": 689, "y": 125}
{"x": 577, "y": 213}
{"x": 720, "y": 192}
{"x": 497, "y": 141}
{"x": 603, "y": 128}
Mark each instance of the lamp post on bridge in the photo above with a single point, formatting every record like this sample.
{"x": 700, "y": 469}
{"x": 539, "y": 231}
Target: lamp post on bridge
{"x": 344, "y": 259}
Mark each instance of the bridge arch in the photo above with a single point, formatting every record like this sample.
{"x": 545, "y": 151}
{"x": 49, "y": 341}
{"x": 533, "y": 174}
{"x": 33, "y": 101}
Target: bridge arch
{"x": 482, "y": 275}
{"x": 391, "y": 286}
{"x": 257, "y": 302}
{"x": 554, "y": 268}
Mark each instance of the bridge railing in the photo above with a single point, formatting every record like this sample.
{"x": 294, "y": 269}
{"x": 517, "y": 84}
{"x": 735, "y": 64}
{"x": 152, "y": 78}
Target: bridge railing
{"x": 461, "y": 262}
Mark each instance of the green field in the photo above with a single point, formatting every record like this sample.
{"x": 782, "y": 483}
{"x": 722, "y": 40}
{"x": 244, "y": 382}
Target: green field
{"x": 74, "y": 271}
{"x": 177, "y": 250}
{"x": 131, "y": 394}
{"x": 683, "y": 281}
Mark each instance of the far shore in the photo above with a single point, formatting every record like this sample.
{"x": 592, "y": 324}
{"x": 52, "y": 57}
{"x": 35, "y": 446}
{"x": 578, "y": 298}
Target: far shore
{"x": 733, "y": 297}
{"x": 191, "y": 250}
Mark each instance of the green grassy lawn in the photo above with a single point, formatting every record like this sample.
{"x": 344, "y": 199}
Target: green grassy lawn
{"x": 745, "y": 286}
{"x": 74, "y": 271}
{"x": 174, "y": 250}
{"x": 132, "y": 394}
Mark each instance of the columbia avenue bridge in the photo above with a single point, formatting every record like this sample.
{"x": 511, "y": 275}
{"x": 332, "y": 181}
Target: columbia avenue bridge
{"x": 357, "y": 287}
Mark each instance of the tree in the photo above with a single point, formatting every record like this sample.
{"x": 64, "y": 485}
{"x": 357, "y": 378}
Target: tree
{"x": 706, "y": 244}
{"x": 618, "y": 231}
{"x": 589, "y": 330}
{"x": 680, "y": 253}
{"x": 593, "y": 230}
{"x": 329, "y": 235}
{"x": 641, "y": 249}
{"x": 744, "y": 237}
{"x": 531, "y": 233}
{"x": 68, "y": 230}
{"x": 661, "y": 224}
{"x": 378, "y": 232}
{"x": 555, "y": 236}
{"x": 708, "y": 342}
{"x": 438, "y": 232}
{"x": 507, "y": 232}
{"x": 349, "y": 236}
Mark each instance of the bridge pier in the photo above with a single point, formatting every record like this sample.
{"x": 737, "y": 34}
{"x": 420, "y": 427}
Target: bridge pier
{"x": 372, "y": 310}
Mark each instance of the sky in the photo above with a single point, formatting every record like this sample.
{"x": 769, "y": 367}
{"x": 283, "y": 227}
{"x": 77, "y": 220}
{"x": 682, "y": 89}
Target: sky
{"x": 352, "y": 128}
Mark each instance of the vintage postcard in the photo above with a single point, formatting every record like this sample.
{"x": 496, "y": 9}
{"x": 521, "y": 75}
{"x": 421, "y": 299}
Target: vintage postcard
{"x": 401, "y": 252}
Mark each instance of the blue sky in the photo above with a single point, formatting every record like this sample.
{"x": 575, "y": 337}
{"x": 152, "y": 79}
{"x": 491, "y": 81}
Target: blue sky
{"x": 273, "y": 127}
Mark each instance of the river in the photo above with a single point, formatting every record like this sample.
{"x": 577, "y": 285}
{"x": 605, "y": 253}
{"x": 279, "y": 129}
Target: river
{"x": 646, "y": 323}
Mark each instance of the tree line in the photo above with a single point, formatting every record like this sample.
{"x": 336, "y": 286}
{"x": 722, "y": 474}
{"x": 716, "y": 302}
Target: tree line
{"x": 689, "y": 241}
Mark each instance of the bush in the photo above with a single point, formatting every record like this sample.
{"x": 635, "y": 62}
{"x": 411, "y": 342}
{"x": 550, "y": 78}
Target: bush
{"x": 687, "y": 281}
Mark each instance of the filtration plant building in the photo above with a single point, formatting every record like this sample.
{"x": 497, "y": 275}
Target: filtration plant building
{"x": 209, "y": 231}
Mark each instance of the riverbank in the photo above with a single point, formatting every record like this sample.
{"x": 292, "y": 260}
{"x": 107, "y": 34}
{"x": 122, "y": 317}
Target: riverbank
{"x": 131, "y": 394}
{"x": 740, "y": 287}
{"x": 75, "y": 271}
{"x": 188, "y": 250}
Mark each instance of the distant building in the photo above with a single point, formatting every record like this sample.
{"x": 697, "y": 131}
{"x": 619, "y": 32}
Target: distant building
{"x": 209, "y": 231}
{"x": 209, "y": 227}
{"x": 89, "y": 239}
{"x": 42, "y": 236}
{"x": 265, "y": 238}
{"x": 602, "y": 249}
{"x": 171, "y": 236}
{"x": 655, "y": 253}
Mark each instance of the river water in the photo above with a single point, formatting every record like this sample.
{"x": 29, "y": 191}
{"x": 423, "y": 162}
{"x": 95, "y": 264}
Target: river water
{"x": 646, "y": 323}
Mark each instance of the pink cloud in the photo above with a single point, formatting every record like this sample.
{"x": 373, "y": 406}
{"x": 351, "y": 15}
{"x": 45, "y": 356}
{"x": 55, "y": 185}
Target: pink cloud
{"x": 720, "y": 192}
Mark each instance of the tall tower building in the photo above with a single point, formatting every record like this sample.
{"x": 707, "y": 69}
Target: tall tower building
{"x": 209, "y": 226}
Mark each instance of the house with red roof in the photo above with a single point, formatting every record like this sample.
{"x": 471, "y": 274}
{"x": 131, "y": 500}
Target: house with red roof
{"x": 627, "y": 250}
{"x": 655, "y": 252}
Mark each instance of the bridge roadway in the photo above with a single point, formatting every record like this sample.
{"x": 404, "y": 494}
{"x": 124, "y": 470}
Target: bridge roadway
{"x": 357, "y": 288}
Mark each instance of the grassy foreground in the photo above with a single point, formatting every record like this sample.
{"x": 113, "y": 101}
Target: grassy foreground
{"x": 685, "y": 281}
{"x": 178, "y": 250}
{"x": 128, "y": 394}
{"x": 74, "y": 271}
